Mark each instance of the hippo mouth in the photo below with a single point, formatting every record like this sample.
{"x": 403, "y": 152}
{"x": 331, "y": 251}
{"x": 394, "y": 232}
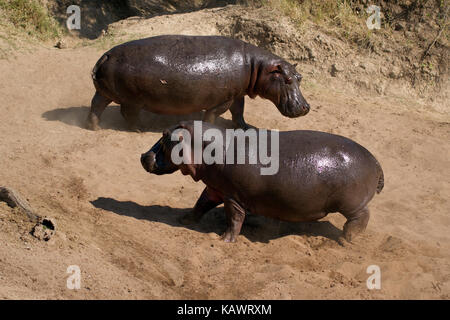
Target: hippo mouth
{"x": 293, "y": 107}
{"x": 291, "y": 102}
{"x": 154, "y": 161}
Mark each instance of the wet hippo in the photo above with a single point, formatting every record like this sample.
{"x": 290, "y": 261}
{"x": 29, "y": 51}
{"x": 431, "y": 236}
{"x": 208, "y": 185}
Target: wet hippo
{"x": 318, "y": 173}
{"x": 177, "y": 74}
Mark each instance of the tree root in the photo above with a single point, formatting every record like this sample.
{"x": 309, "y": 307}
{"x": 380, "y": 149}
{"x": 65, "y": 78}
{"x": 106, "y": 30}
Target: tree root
{"x": 13, "y": 199}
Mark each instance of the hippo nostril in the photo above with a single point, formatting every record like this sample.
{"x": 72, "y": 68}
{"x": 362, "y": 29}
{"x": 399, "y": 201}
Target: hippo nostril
{"x": 143, "y": 162}
{"x": 148, "y": 161}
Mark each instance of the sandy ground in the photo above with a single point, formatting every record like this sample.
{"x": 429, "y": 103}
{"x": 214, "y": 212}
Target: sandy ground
{"x": 119, "y": 224}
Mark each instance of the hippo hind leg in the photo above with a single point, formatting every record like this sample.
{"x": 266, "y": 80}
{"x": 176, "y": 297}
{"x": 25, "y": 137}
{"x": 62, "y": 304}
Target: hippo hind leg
{"x": 98, "y": 105}
{"x": 235, "y": 217}
{"x": 131, "y": 115}
{"x": 356, "y": 223}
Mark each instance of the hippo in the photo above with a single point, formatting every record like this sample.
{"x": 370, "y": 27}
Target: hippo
{"x": 176, "y": 74}
{"x": 319, "y": 173}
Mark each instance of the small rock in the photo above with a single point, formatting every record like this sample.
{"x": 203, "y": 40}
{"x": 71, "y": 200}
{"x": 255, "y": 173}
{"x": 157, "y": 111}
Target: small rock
{"x": 61, "y": 44}
{"x": 44, "y": 229}
{"x": 335, "y": 69}
{"x": 379, "y": 88}
{"x": 363, "y": 83}
{"x": 395, "y": 73}
{"x": 311, "y": 53}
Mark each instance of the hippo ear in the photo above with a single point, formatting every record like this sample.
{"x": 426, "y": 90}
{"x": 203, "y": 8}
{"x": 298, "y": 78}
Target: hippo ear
{"x": 188, "y": 166}
{"x": 183, "y": 135}
{"x": 186, "y": 125}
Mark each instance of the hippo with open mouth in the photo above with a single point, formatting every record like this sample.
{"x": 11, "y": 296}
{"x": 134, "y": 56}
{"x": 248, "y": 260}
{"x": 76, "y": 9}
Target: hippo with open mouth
{"x": 175, "y": 74}
{"x": 318, "y": 173}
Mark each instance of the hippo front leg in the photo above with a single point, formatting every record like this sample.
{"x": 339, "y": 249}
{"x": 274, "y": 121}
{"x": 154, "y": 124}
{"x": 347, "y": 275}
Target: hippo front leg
{"x": 237, "y": 111}
{"x": 235, "y": 217}
{"x": 208, "y": 200}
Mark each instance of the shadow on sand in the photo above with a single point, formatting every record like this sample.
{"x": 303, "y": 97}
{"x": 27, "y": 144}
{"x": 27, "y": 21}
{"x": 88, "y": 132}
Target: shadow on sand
{"x": 256, "y": 228}
{"x": 112, "y": 119}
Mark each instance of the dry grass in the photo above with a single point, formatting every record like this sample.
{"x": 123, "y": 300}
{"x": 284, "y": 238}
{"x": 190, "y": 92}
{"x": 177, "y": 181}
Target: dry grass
{"x": 336, "y": 17}
{"x": 29, "y": 16}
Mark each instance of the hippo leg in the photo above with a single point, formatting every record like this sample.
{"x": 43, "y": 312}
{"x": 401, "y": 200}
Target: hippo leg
{"x": 237, "y": 111}
{"x": 211, "y": 114}
{"x": 131, "y": 116}
{"x": 235, "y": 217}
{"x": 208, "y": 200}
{"x": 356, "y": 223}
{"x": 98, "y": 105}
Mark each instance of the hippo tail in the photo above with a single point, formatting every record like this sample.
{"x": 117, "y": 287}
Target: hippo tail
{"x": 97, "y": 66}
{"x": 380, "y": 178}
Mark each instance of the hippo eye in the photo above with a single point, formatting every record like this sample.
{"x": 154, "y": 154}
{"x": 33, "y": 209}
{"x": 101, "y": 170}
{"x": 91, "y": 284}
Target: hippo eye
{"x": 299, "y": 77}
{"x": 276, "y": 75}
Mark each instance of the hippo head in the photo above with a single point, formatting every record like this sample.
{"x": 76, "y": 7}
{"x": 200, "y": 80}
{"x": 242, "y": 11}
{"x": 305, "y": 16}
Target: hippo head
{"x": 158, "y": 159}
{"x": 279, "y": 82}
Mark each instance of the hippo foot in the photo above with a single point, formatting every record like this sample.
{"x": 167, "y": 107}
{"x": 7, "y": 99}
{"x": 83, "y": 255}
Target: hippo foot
{"x": 356, "y": 224}
{"x": 228, "y": 237}
{"x": 93, "y": 127}
{"x": 92, "y": 124}
{"x": 135, "y": 129}
{"x": 241, "y": 125}
{"x": 343, "y": 242}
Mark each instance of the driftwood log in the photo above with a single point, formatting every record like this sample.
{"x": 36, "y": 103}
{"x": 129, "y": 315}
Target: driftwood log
{"x": 13, "y": 199}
